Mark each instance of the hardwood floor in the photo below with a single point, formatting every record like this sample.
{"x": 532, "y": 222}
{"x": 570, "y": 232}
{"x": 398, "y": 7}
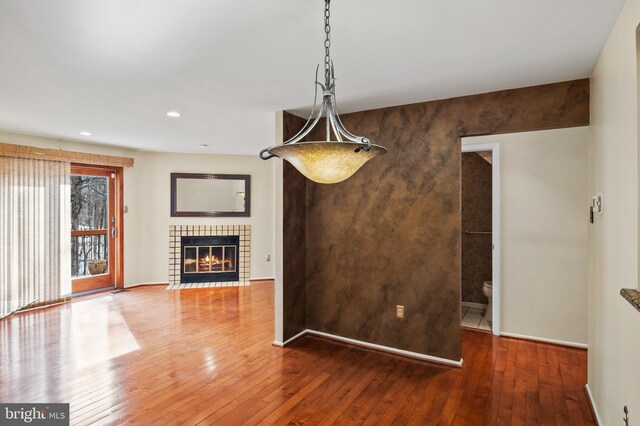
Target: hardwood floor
{"x": 204, "y": 356}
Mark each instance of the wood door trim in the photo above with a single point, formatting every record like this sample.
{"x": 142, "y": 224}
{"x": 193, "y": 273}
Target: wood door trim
{"x": 91, "y": 170}
{"x": 88, "y": 283}
{"x": 89, "y": 232}
{"x": 118, "y": 241}
{"x": 106, "y": 280}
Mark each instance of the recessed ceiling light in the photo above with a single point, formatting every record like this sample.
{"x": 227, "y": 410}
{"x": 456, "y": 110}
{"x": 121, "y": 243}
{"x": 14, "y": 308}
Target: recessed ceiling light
{"x": 173, "y": 114}
{"x": 85, "y": 133}
{"x": 204, "y": 145}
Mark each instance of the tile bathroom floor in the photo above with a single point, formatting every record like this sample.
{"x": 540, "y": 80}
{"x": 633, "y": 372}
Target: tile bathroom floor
{"x": 472, "y": 317}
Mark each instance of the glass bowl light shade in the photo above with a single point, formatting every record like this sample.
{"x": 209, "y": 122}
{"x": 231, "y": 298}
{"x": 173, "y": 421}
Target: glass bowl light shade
{"x": 327, "y": 162}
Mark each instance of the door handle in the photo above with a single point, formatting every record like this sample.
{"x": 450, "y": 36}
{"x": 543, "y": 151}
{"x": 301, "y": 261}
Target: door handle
{"x": 113, "y": 232}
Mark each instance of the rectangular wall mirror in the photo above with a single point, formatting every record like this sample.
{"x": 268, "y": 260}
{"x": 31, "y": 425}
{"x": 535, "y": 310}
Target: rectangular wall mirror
{"x": 201, "y": 194}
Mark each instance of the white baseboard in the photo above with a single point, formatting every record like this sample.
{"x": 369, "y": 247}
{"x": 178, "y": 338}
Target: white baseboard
{"x": 593, "y": 404}
{"x": 474, "y": 305}
{"x": 544, "y": 340}
{"x": 368, "y": 345}
{"x": 146, "y": 283}
{"x": 297, "y": 336}
{"x": 262, "y": 279}
{"x": 290, "y": 340}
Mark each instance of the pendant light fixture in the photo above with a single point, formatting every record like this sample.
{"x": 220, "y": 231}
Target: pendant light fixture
{"x": 328, "y": 161}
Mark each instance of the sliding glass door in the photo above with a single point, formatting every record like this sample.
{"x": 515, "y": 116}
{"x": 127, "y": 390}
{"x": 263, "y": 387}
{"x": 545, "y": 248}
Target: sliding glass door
{"x": 93, "y": 228}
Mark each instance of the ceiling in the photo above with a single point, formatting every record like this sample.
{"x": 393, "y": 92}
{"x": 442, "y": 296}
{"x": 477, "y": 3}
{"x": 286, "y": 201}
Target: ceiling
{"x": 115, "y": 67}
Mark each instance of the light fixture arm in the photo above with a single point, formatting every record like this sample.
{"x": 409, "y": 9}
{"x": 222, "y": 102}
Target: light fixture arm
{"x": 308, "y": 126}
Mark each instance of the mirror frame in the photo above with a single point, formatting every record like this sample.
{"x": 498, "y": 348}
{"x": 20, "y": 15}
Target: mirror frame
{"x": 174, "y": 196}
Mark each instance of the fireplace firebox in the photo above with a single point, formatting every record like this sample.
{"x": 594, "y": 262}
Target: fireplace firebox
{"x": 209, "y": 259}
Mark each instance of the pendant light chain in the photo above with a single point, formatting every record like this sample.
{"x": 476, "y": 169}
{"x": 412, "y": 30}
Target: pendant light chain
{"x": 327, "y": 43}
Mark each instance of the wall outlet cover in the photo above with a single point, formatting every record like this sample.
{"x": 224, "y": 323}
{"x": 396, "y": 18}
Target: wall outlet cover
{"x": 596, "y": 203}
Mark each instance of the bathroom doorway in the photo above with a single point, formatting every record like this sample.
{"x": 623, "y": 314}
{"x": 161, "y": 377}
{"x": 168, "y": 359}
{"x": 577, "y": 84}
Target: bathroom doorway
{"x": 480, "y": 210}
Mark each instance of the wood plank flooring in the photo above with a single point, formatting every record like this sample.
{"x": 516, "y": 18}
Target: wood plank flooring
{"x": 204, "y": 356}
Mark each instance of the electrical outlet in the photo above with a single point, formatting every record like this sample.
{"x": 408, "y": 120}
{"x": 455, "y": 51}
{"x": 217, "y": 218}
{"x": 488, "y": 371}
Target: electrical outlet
{"x": 400, "y": 311}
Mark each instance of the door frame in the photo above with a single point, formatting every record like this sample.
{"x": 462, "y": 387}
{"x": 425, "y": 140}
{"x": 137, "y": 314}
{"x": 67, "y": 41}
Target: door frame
{"x": 118, "y": 241}
{"x": 495, "y": 225}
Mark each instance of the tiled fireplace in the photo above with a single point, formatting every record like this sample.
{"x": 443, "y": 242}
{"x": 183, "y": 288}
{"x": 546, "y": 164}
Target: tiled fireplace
{"x": 209, "y": 256}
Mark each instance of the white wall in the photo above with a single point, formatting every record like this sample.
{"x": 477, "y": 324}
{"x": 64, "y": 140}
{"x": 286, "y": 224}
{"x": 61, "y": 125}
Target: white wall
{"x": 152, "y": 208}
{"x": 544, "y": 225}
{"x": 147, "y": 196}
{"x": 614, "y": 325}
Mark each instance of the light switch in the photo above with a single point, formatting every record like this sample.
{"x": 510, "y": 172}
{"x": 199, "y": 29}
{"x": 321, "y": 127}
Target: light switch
{"x": 596, "y": 203}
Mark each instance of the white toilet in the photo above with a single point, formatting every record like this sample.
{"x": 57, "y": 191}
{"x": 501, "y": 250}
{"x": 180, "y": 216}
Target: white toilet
{"x": 487, "y": 290}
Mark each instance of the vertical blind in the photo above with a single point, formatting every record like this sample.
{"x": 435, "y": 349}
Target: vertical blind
{"x": 35, "y": 229}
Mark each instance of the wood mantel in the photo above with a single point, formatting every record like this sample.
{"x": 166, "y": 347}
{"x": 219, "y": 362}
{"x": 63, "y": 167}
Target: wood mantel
{"x": 24, "y": 151}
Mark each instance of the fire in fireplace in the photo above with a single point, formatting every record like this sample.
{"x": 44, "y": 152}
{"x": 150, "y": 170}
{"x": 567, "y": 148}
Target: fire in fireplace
{"x": 202, "y": 259}
{"x": 209, "y": 259}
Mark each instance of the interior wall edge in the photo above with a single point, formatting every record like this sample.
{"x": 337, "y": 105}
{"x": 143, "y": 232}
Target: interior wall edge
{"x": 294, "y": 239}
{"x": 614, "y": 325}
{"x": 593, "y": 405}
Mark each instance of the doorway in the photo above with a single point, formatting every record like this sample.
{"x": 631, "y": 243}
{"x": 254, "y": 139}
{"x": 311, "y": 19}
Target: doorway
{"x": 480, "y": 237}
{"x": 96, "y": 228}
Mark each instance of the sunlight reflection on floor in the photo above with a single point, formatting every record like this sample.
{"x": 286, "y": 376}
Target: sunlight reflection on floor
{"x": 99, "y": 332}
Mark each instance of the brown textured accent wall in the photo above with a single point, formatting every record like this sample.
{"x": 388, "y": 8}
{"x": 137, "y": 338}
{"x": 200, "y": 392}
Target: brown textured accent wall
{"x": 391, "y": 234}
{"x": 476, "y": 216}
{"x": 294, "y": 243}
